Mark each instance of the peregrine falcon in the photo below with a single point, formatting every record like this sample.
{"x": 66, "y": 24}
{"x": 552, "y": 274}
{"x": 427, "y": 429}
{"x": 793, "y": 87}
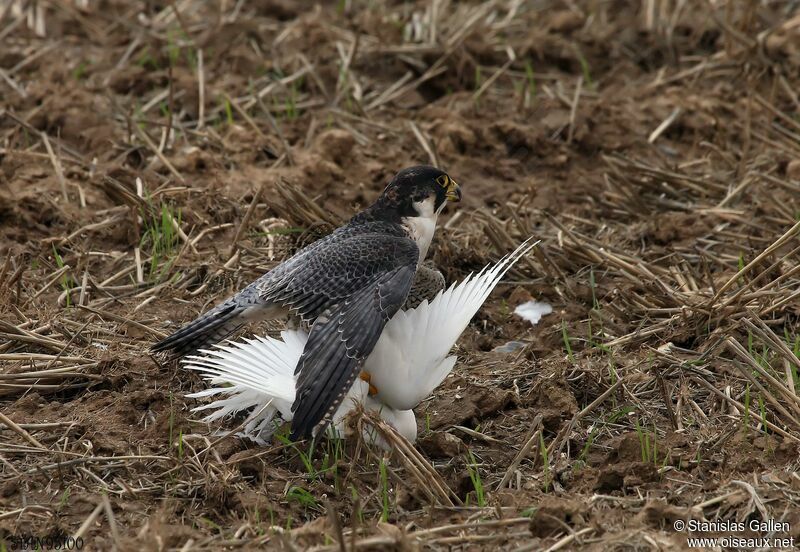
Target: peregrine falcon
{"x": 408, "y": 362}
{"x": 347, "y": 285}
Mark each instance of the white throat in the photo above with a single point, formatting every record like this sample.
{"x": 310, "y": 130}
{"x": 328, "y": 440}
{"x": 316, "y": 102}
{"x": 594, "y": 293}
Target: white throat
{"x": 423, "y": 225}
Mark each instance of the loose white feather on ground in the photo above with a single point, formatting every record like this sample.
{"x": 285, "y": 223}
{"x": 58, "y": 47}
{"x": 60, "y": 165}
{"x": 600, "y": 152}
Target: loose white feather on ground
{"x": 532, "y": 311}
{"x": 409, "y": 361}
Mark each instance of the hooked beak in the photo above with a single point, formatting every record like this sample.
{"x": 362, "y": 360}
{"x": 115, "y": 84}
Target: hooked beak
{"x": 453, "y": 191}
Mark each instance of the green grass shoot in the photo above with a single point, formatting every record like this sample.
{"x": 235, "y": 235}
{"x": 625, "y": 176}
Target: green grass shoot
{"x": 384, "y": 487}
{"x": 226, "y": 103}
{"x": 79, "y": 73}
{"x": 301, "y": 496}
{"x": 146, "y": 60}
{"x": 171, "y": 419}
{"x": 66, "y": 281}
{"x": 567, "y": 341}
{"x": 644, "y": 441}
{"x": 160, "y": 240}
{"x": 587, "y": 76}
{"x": 545, "y": 462}
{"x": 746, "y": 422}
{"x": 530, "y": 78}
{"x": 475, "y": 477}
{"x": 291, "y": 100}
{"x": 64, "y": 500}
{"x": 305, "y": 458}
{"x": 210, "y": 524}
{"x": 359, "y": 511}
{"x": 588, "y": 445}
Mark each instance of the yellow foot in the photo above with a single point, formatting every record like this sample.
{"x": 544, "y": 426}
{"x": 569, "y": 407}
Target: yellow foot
{"x": 366, "y": 376}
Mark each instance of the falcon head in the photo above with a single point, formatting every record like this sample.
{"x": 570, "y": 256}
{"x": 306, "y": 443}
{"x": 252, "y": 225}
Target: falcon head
{"x": 419, "y": 191}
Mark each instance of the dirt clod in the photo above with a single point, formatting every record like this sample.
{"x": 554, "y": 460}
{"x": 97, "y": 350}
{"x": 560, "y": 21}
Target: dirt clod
{"x": 555, "y": 516}
{"x": 439, "y": 444}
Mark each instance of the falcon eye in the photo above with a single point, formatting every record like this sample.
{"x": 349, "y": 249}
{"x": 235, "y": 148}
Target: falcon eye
{"x": 443, "y": 180}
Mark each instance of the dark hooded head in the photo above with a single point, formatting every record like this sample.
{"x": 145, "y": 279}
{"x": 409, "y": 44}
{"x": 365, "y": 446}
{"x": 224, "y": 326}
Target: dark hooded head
{"x": 415, "y": 191}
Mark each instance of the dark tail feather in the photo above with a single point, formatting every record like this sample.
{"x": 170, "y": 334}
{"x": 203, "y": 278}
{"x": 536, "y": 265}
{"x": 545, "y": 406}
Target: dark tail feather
{"x": 212, "y": 327}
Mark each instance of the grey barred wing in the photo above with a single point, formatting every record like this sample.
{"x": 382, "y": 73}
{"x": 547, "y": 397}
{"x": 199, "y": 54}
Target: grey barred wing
{"x": 341, "y": 339}
{"x": 343, "y": 265}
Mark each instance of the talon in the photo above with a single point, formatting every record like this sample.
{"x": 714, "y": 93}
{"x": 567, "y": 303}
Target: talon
{"x": 366, "y": 376}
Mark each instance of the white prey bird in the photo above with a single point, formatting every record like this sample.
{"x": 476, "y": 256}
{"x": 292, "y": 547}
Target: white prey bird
{"x": 408, "y": 362}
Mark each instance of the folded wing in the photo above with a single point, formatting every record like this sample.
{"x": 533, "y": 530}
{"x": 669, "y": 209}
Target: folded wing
{"x": 339, "y": 342}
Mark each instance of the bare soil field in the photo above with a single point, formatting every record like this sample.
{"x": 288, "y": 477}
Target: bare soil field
{"x": 156, "y": 157}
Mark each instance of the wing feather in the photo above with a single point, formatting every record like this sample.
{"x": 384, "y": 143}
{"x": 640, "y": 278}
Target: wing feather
{"x": 340, "y": 340}
{"x": 418, "y": 340}
{"x": 342, "y": 265}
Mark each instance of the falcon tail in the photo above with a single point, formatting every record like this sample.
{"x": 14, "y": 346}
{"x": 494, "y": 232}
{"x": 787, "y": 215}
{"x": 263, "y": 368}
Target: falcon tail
{"x": 410, "y": 359}
{"x": 207, "y": 329}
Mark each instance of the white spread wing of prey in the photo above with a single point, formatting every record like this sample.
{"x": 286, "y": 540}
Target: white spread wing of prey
{"x": 408, "y": 362}
{"x": 253, "y": 373}
{"x": 410, "y": 359}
